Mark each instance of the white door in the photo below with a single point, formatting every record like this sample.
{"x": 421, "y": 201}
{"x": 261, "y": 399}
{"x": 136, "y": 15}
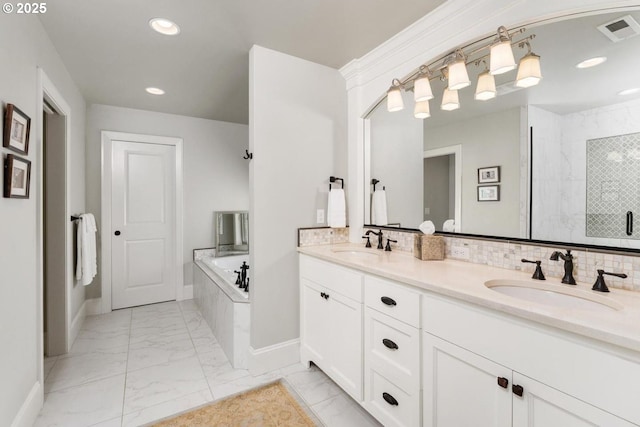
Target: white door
{"x": 463, "y": 389}
{"x": 143, "y": 218}
{"x": 543, "y": 406}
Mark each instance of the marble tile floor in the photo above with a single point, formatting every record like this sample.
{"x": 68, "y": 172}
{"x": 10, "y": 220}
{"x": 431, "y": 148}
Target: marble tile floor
{"x": 133, "y": 366}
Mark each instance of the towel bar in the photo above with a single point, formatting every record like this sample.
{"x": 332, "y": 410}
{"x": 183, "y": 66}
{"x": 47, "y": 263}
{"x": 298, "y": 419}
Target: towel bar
{"x": 74, "y": 217}
{"x": 334, "y": 179}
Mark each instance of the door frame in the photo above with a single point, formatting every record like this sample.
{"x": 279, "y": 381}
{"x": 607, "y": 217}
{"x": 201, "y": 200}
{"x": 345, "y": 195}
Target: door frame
{"x": 107, "y": 138}
{"x": 456, "y": 150}
{"x": 46, "y": 88}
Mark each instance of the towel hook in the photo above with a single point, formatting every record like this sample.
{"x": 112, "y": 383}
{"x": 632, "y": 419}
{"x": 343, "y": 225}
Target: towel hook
{"x": 248, "y": 156}
{"x": 374, "y": 182}
{"x": 334, "y": 179}
{"x": 75, "y": 218}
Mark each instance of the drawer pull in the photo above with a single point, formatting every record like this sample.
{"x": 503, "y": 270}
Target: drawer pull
{"x": 323, "y": 295}
{"x": 503, "y": 382}
{"x": 518, "y": 390}
{"x": 389, "y": 344}
{"x": 390, "y": 399}
{"x": 388, "y": 301}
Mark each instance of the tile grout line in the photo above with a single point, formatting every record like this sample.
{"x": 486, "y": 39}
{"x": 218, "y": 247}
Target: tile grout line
{"x": 126, "y": 369}
{"x": 196, "y": 350}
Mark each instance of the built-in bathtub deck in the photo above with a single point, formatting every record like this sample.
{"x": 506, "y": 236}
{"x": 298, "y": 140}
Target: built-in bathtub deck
{"x": 223, "y": 305}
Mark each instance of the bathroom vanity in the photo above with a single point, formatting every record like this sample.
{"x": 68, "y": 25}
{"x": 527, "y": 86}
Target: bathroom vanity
{"x": 433, "y": 344}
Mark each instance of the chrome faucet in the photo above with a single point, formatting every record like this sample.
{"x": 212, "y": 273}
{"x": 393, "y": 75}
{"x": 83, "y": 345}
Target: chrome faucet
{"x": 379, "y": 234}
{"x": 568, "y": 266}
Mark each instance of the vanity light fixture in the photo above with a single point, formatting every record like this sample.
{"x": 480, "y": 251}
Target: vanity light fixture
{"x": 394, "y": 97}
{"x": 453, "y": 68}
{"x": 422, "y": 86}
{"x": 164, "y": 26}
{"x": 591, "y": 62}
{"x": 450, "y": 100}
{"x": 529, "y": 73}
{"x": 501, "y": 56}
{"x": 457, "y": 70}
{"x": 629, "y": 91}
{"x": 421, "y": 110}
{"x": 155, "y": 91}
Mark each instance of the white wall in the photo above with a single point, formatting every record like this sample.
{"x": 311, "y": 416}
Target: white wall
{"x": 216, "y": 177}
{"x": 297, "y": 112}
{"x": 396, "y": 160}
{"x": 559, "y": 168}
{"x": 489, "y": 140}
{"x": 24, "y": 47}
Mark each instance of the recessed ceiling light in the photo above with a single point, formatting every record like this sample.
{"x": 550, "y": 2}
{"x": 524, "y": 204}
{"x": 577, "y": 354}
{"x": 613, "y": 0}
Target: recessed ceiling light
{"x": 591, "y": 62}
{"x": 629, "y": 91}
{"x": 155, "y": 91}
{"x": 164, "y": 26}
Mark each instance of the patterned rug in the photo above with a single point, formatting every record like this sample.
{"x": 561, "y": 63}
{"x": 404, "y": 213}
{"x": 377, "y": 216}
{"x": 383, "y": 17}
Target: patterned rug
{"x": 272, "y": 405}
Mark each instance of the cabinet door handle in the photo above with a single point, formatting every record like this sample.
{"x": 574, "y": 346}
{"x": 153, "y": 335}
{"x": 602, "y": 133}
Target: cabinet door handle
{"x": 388, "y": 301}
{"x": 503, "y": 382}
{"x": 518, "y": 390}
{"x": 390, "y": 399}
{"x": 322, "y": 294}
{"x": 326, "y": 296}
{"x": 629, "y": 223}
{"x": 389, "y": 344}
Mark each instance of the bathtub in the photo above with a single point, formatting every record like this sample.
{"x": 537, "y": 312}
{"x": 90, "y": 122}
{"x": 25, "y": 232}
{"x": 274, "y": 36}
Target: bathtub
{"x": 224, "y": 306}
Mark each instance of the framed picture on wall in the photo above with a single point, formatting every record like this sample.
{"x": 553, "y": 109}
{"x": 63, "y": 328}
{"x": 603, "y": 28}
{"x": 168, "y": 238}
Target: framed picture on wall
{"x": 487, "y": 175}
{"x": 488, "y": 193}
{"x": 16, "y": 130}
{"x": 17, "y": 177}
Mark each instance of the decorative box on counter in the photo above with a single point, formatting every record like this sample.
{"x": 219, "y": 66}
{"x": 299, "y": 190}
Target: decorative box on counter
{"x": 428, "y": 247}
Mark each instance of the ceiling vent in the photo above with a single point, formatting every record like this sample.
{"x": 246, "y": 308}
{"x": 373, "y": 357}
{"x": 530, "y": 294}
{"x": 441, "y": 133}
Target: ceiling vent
{"x": 620, "y": 29}
{"x": 507, "y": 88}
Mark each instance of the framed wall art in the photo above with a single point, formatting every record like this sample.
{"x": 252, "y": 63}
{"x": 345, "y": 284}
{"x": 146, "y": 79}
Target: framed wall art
{"x": 488, "y": 193}
{"x": 488, "y": 175}
{"x": 17, "y": 177}
{"x": 16, "y": 130}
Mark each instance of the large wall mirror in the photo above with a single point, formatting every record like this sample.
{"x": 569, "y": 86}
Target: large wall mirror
{"x": 232, "y": 233}
{"x": 558, "y": 161}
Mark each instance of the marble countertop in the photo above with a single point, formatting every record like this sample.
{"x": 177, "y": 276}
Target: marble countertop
{"x": 466, "y": 281}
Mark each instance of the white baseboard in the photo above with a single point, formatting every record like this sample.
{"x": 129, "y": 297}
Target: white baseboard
{"x": 273, "y": 357}
{"x": 30, "y": 409}
{"x": 94, "y": 306}
{"x": 187, "y": 292}
{"x": 76, "y": 324}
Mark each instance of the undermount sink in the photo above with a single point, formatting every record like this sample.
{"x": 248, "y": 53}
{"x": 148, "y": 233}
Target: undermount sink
{"x": 357, "y": 253}
{"x": 555, "y": 295}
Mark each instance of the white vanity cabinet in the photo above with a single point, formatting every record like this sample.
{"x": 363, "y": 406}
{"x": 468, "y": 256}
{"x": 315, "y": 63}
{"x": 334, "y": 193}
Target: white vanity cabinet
{"x": 331, "y": 321}
{"x": 392, "y": 352}
{"x": 481, "y": 368}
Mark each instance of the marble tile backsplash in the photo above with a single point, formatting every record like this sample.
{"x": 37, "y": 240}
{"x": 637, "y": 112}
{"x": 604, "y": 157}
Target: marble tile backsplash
{"x": 322, "y": 236}
{"x": 504, "y": 254}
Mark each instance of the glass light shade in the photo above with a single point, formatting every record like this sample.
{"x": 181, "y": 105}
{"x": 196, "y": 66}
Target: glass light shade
{"x": 458, "y": 77}
{"x": 394, "y": 99}
{"x": 421, "y": 110}
{"x": 529, "y": 73}
{"x": 450, "y": 100}
{"x": 501, "y": 59}
{"x": 486, "y": 88}
{"x": 422, "y": 89}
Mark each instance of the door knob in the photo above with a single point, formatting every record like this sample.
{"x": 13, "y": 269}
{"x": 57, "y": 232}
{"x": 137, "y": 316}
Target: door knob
{"x": 117, "y": 233}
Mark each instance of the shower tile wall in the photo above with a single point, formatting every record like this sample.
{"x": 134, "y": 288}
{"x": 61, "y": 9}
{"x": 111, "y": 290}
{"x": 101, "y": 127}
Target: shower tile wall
{"x": 613, "y": 184}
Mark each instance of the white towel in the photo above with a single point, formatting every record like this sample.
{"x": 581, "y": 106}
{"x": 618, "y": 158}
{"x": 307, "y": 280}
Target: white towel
{"x": 379, "y": 208}
{"x": 336, "y": 209}
{"x": 87, "y": 262}
{"x": 449, "y": 225}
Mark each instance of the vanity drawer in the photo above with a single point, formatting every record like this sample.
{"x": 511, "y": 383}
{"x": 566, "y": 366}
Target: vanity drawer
{"x": 393, "y": 349}
{"x": 389, "y": 404}
{"x": 393, "y": 299}
{"x": 334, "y": 277}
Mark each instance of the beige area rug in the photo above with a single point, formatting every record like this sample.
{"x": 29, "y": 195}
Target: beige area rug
{"x": 271, "y": 405}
